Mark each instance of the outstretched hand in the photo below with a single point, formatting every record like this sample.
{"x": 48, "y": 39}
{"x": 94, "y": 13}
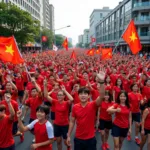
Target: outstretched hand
{"x": 102, "y": 73}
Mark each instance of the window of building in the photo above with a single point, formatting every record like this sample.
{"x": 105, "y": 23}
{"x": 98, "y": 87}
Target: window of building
{"x": 101, "y": 15}
{"x": 128, "y": 6}
{"x": 144, "y": 31}
{"x": 144, "y": 16}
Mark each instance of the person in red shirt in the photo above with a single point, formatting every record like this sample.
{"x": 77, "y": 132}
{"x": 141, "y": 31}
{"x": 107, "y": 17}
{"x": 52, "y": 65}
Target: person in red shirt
{"x": 61, "y": 122}
{"x": 43, "y": 129}
{"x": 74, "y": 94}
{"x": 117, "y": 89}
{"x": 145, "y": 127}
{"x": 105, "y": 119}
{"x": 146, "y": 89}
{"x": 108, "y": 85}
{"x": 122, "y": 123}
{"x": 15, "y": 106}
{"x": 84, "y": 114}
{"x": 135, "y": 100}
{"x": 6, "y": 122}
{"x": 34, "y": 101}
{"x": 20, "y": 86}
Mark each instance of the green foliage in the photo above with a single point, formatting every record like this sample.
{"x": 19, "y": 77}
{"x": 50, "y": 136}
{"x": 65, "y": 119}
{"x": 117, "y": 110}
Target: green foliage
{"x": 49, "y": 35}
{"x": 59, "y": 40}
{"x": 14, "y": 21}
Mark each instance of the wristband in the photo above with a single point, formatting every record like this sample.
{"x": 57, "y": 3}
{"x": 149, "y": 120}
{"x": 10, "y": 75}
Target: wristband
{"x": 102, "y": 82}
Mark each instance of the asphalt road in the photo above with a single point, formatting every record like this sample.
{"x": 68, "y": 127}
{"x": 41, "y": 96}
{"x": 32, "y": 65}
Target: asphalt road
{"x": 29, "y": 137}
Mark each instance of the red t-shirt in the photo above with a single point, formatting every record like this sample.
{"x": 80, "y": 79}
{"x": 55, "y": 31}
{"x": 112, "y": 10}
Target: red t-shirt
{"x": 19, "y": 84}
{"x": 109, "y": 88}
{"x": 95, "y": 94}
{"x": 14, "y": 105}
{"x": 117, "y": 91}
{"x": 85, "y": 120}
{"x": 103, "y": 111}
{"x": 147, "y": 121}
{"x": 40, "y": 80}
{"x": 76, "y": 98}
{"x": 146, "y": 92}
{"x": 25, "y": 76}
{"x": 33, "y": 103}
{"x": 122, "y": 118}
{"x": 134, "y": 99}
{"x": 83, "y": 82}
{"x": 113, "y": 78}
{"x": 14, "y": 94}
{"x": 6, "y": 137}
{"x": 68, "y": 85}
{"x": 61, "y": 112}
{"x": 43, "y": 132}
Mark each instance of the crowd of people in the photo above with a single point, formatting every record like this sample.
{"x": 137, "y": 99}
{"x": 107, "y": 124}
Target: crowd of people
{"x": 86, "y": 93}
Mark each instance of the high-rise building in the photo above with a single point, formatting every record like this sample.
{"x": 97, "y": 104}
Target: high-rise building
{"x": 80, "y": 39}
{"x": 70, "y": 40}
{"x": 52, "y": 21}
{"x": 40, "y": 10}
{"x": 110, "y": 29}
{"x": 86, "y": 37}
{"x": 96, "y": 16}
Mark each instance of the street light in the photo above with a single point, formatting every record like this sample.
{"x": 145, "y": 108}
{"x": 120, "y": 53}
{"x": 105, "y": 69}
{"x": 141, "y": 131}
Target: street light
{"x": 59, "y": 29}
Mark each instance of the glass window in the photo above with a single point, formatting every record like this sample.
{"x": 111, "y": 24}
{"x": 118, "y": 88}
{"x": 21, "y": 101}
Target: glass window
{"x": 144, "y": 31}
{"x": 128, "y": 6}
{"x": 101, "y": 15}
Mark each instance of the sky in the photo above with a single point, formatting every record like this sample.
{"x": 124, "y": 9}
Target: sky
{"x": 76, "y": 13}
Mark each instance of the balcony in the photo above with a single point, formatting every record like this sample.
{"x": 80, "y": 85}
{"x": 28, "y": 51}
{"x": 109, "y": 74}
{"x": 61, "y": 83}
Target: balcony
{"x": 141, "y": 6}
{"x": 143, "y": 20}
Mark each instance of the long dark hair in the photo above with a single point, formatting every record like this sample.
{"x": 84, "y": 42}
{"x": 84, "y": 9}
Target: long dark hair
{"x": 121, "y": 86}
{"x": 110, "y": 96}
{"x": 127, "y": 98}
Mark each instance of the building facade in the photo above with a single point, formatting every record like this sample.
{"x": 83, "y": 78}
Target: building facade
{"x": 86, "y": 37}
{"x": 80, "y": 39}
{"x": 40, "y": 10}
{"x": 110, "y": 29}
{"x": 96, "y": 16}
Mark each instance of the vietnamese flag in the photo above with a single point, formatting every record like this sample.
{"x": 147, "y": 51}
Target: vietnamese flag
{"x": 9, "y": 51}
{"x": 106, "y": 53}
{"x": 90, "y": 52}
{"x": 98, "y": 51}
{"x": 73, "y": 55}
{"x": 65, "y": 44}
{"x": 131, "y": 37}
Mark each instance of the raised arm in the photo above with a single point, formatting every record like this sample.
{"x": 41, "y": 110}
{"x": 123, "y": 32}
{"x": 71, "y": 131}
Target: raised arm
{"x": 67, "y": 94}
{"x": 46, "y": 92}
{"x": 101, "y": 76}
{"x": 36, "y": 85}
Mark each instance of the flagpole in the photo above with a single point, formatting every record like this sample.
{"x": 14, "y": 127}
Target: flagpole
{"x": 29, "y": 76}
{"x": 120, "y": 38}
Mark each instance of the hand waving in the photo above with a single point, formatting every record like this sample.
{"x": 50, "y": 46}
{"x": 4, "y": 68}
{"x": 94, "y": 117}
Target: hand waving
{"x": 102, "y": 73}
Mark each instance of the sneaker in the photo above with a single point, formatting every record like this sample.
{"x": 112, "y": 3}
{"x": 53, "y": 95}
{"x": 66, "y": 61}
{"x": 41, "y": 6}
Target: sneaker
{"x": 54, "y": 138}
{"x": 107, "y": 146}
{"x": 137, "y": 140}
{"x": 129, "y": 138}
{"x": 69, "y": 148}
{"x": 22, "y": 137}
{"x": 104, "y": 147}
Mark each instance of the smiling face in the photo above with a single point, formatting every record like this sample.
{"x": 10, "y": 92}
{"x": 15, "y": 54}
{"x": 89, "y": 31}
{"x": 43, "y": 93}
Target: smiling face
{"x": 60, "y": 96}
{"x": 84, "y": 94}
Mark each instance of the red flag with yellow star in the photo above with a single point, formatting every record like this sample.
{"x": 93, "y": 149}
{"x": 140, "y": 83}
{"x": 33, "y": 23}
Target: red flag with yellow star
{"x": 132, "y": 38}
{"x": 9, "y": 50}
{"x": 65, "y": 44}
{"x": 90, "y": 52}
{"x": 106, "y": 53}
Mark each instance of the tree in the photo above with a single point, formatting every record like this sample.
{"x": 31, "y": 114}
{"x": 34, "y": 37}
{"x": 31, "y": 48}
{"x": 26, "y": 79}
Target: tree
{"x": 86, "y": 45}
{"x": 59, "y": 40}
{"x": 49, "y": 35}
{"x": 14, "y": 21}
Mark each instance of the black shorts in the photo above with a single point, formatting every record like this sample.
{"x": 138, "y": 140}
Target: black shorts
{"x": 47, "y": 103}
{"x": 147, "y": 131}
{"x": 20, "y": 93}
{"x": 119, "y": 132}
{"x": 89, "y": 144}
{"x": 61, "y": 131}
{"x": 25, "y": 84}
{"x": 9, "y": 148}
{"x": 105, "y": 124}
{"x": 15, "y": 128}
{"x": 136, "y": 117}
{"x": 52, "y": 115}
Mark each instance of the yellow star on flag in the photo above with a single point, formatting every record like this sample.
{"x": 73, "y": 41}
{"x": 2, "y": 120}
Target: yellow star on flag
{"x": 133, "y": 37}
{"x": 109, "y": 54}
{"x": 9, "y": 50}
{"x": 90, "y": 52}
